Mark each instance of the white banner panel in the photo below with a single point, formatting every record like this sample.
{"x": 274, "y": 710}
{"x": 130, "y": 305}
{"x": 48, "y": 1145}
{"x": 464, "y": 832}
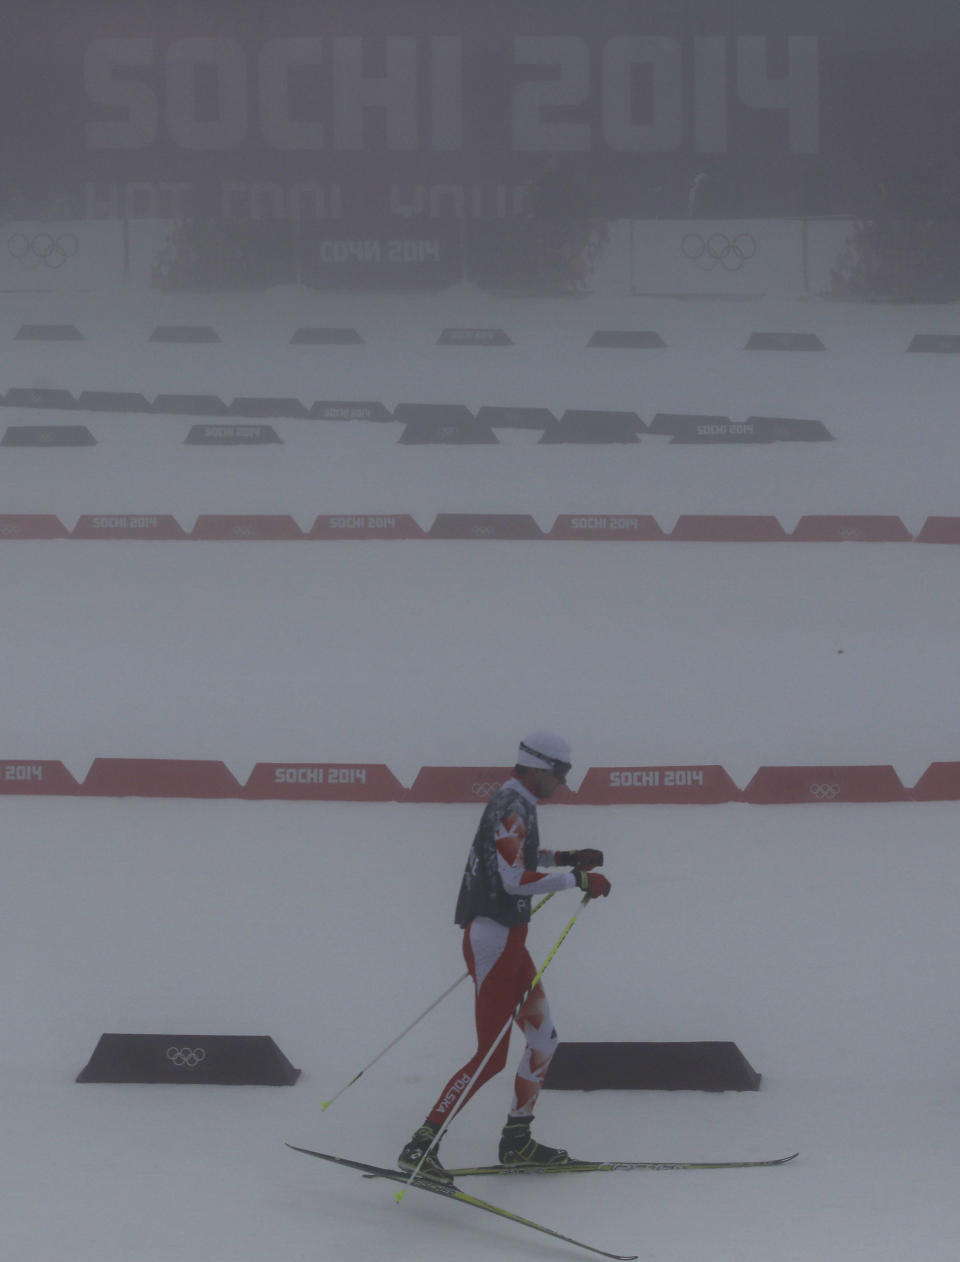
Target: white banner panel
{"x": 61, "y": 257}
{"x": 747, "y": 258}
{"x": 150, "y": 251}
{"x": 609, "y": 275}
{"x": 831, "y": 252}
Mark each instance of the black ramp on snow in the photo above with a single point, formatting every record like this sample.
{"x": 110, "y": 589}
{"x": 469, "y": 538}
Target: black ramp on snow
{"x": 49, "y": 397}
{"x": 702, "y": 1066}
{"x": 48, "y": 436}
{"x": 326, "y": 337}
{"x": 257, "y": 407}
{"x": 784, "y": 342}
{"x": 441, "y": 423}
{"x": 189, "y": 333}
{"x": 936, "y": 344}
{"x": 231, "y": 435}
{"x": 49, "y": 333}
{"x": 626, "y": 339}
{"x": 238, "y": 1060}
{"x": 190, "y": 405}
{"x": 474, "y": 337}
{"x": 516, "y": 418}
{"x": 348, "y": 410}
{"x": 112, "y": 401}
{"x": 594, "y": 426}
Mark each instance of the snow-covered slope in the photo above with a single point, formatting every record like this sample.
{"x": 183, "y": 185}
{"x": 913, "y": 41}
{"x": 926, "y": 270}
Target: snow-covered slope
{"x": 821, "y": 939}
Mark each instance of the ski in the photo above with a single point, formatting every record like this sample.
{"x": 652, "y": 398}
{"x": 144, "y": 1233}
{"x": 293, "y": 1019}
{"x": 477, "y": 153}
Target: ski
{"x": 456, "y": 1194}
{"x": 602, "y": 1167}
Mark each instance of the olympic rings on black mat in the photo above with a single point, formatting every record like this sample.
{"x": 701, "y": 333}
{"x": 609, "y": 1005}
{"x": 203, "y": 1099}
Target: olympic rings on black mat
{"x": 719, "y": 250}
{"x": 43, "y": 249}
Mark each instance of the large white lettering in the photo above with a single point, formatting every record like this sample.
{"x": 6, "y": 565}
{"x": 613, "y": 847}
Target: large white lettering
{"x": 446, "y": 92}
{"x": 278, "y": 59}
{"x": 643, "y": 87}
{"x": 797, "y": 92}
{"x": 106, "y": 84}
{"x": 662, "y": 128}
{"x": 628, "y": 93}
{"x": 394, "y": 93}
{"x": 203, "y": 93}
{"x": 194, "y": 67}
{"x": 532, "y": 132}
{"x": 710, "y": 124}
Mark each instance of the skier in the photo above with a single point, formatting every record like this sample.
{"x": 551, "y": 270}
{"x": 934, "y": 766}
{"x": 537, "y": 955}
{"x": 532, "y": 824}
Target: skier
{"x": 493, "y": 909}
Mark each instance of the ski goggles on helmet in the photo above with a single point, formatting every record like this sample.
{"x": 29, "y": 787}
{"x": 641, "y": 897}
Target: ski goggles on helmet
{"x": 557, "y": 766}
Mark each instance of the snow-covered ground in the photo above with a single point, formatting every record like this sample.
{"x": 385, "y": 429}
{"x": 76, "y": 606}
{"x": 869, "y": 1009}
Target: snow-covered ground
{"x": 821, "y": 939}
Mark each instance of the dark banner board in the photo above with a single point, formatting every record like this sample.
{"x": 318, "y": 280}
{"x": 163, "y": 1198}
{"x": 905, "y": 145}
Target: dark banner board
{"x": 235, "y": 109}
{"x": 379, "y": 256}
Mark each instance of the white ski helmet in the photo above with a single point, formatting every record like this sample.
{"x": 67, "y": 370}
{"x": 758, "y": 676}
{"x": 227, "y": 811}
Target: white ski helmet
{"x": 546, "y": 751}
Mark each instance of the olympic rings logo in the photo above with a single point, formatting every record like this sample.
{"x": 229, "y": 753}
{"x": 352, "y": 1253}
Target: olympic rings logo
{"x": 483, "y": 790}
{"x": 43, "y": 249}
{"x": 824, "y": 792}
{"x": 186, "y": 1057}
{"x": 719, "y": 250}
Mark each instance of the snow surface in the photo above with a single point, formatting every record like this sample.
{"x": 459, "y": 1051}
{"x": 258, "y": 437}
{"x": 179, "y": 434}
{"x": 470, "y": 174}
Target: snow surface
{"x": 821, "y": 939}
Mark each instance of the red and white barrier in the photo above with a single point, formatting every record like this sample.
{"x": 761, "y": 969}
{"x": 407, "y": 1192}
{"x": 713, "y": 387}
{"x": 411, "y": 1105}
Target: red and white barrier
{"x": 851, "y": 528}
{"x": 31, "y": 526}
{"x": 706, "y": 528}
{"x": 690, "y": 785}
{"x": 939, "y": 783}
{"x": 607, "y": 527}
{"x": 128, "y": 526}
{"x": 23, "y": 775}
{"x": 246, "y": 527}
{"x": 940, "y": 530}
{"x": 485, "y": 526}
{"x": 780, "y": 785}
{"x": 615, "y": 526}
{"x": 160, "y": 778}
{"x": 323, "y": 782}
{"x": 662, "y": 784}
{"x": 365, "y": 526}
{"x": 466, "y": 784}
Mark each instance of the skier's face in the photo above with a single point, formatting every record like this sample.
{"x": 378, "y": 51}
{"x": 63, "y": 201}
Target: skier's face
{"x": 545, "y": 783}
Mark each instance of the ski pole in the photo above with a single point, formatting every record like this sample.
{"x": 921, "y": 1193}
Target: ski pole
{"x": 416, "y": 1021}
{"x": 493, "y": 1047}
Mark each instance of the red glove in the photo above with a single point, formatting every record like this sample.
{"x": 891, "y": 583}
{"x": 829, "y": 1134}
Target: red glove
{"x": 585, "y": 859}
{"x": 595, "y": 884}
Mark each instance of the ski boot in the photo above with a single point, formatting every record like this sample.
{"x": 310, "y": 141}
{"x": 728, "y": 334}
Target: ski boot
{"x": 414, "y": 1149}
{"x": 519, "y": 1148}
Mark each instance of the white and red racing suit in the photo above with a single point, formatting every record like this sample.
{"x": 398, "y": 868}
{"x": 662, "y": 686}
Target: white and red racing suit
{"x": 493, "y": 907}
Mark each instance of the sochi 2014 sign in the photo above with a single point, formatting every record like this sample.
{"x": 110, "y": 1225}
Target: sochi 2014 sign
{"x": 271, "y": 113}
{"x": 568, "y": 93}
{"x": 430, "y": 110}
